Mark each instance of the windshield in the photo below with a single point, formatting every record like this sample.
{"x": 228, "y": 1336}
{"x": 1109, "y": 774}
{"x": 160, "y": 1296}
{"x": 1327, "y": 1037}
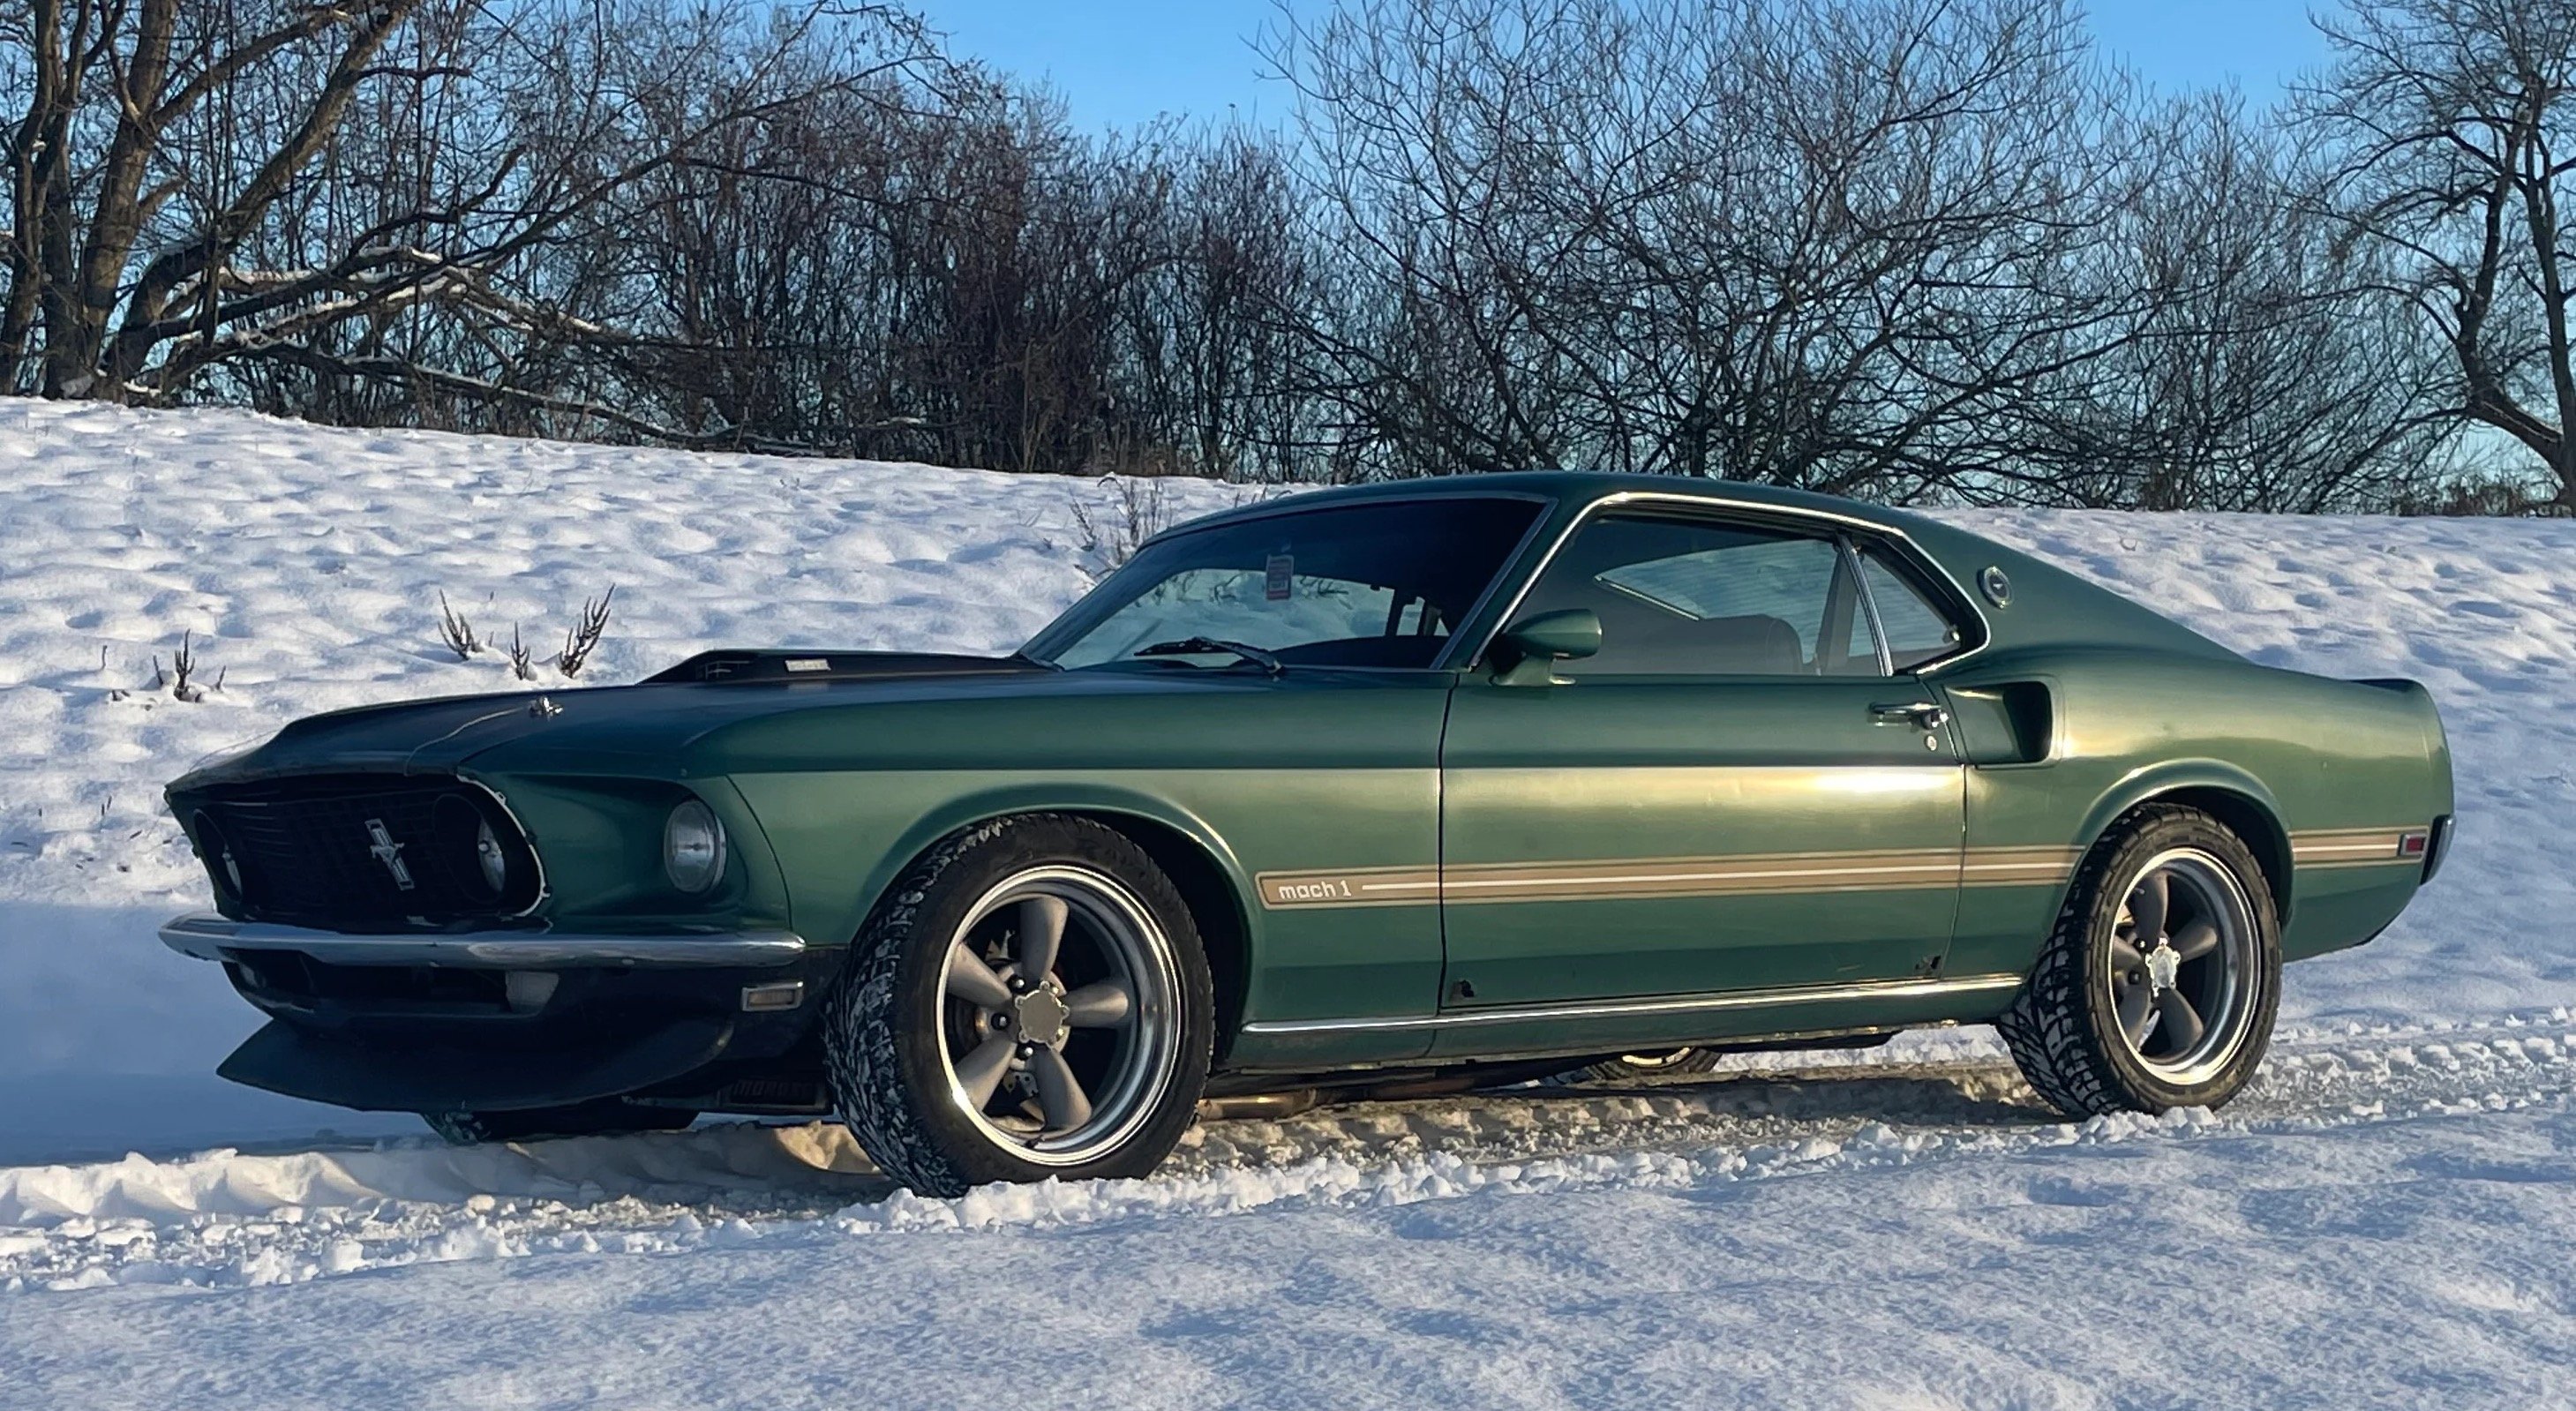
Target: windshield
{"x": 1356, "y": 585}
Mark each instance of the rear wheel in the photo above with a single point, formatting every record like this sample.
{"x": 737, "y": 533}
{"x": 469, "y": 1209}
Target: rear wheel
{"x": 2159, "y": 987}
{"x": 1031, "y": 1001}
{"x": 590, "y": 1119}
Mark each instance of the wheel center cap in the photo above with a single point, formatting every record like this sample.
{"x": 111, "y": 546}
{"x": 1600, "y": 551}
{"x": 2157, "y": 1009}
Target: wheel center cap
{"x": 2163, "y": 966}
{"x": 1041, "y": 1015}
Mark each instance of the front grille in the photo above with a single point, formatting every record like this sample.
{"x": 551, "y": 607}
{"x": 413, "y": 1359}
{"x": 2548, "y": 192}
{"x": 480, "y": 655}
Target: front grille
{"x": 360, "y": 852}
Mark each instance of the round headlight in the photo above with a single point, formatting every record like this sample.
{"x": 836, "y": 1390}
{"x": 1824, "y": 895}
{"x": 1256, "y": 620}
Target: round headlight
{"x": 488, "y": 855}
{"x": 693, "y": 847}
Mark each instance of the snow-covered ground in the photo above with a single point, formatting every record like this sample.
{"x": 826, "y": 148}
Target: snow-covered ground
{"x": 2386, "y": 1219}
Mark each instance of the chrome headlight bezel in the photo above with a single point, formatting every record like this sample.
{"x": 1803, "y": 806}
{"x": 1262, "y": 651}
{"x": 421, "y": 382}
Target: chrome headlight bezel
{"x": 693, "y": 848}
{"x": 491, "y": 858}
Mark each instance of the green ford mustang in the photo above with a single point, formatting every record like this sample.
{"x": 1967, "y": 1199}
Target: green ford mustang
{"x": 1362, "y": 789}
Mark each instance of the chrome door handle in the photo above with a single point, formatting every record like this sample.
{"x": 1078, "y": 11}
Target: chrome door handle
{"x": 1923, "y": 714}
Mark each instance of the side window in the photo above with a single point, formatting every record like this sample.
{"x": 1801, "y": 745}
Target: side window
{"x": 1918, "y": 631}
{"x": 1687, "y": 597}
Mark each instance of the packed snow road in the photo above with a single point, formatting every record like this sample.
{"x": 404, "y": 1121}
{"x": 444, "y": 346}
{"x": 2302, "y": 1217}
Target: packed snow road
{"x": 2385, "y": 1219}
{"x": 232, "y": 1218}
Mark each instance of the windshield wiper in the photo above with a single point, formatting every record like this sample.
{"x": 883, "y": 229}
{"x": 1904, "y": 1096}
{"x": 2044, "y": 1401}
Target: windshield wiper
{"x": 1203, "y": 646}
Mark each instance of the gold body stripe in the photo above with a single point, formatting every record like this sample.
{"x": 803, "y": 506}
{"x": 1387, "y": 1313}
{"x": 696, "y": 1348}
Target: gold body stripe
{"x": 1752, "y": 874}
{"x": 1764, "y": 874}
{"x": 2333, "y": 849}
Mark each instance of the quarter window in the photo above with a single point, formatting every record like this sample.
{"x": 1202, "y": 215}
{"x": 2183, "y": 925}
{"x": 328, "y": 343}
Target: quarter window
{"x": 1918, "y": 631}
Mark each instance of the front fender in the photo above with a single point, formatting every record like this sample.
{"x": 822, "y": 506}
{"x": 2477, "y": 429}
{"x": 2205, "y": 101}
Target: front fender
{"x": 855, "y": 834}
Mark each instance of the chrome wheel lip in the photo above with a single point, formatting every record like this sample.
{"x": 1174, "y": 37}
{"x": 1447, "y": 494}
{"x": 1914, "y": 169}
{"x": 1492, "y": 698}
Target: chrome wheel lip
{"x": 2221, "y": 899}
{"x": 1147, "y": 1061}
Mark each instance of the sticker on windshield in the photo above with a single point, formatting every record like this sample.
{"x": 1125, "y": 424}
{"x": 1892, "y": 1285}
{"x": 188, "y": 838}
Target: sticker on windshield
{"x": 1280, "y": 584}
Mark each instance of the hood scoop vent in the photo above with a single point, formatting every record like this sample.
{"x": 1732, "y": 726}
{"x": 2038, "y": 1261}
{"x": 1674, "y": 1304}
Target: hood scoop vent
{"x": 729, "y": 667}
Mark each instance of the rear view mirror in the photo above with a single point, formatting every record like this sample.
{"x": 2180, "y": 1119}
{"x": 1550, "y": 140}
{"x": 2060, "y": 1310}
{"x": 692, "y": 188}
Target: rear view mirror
{"x": 1529, "y": 649}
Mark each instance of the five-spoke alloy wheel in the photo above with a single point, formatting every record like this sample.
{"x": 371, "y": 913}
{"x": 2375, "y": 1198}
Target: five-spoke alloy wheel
{"x": 2158, "y": 988}
{"x": 2180, "y": 951}
{"x": 1062, "y": 1021}
{"x": 1031, "y": 1000}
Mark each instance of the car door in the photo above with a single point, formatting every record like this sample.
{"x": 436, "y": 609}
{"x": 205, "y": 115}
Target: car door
{"x": 1736, "y": 793}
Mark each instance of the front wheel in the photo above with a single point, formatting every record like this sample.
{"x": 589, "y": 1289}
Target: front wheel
{"x": 2159, "y": 986}
{"x": 1031, "y": 1000}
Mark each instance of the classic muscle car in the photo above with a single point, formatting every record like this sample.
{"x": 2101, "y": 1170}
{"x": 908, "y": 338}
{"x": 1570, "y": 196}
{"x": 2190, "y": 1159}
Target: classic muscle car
{"x": 1435, "y": 782}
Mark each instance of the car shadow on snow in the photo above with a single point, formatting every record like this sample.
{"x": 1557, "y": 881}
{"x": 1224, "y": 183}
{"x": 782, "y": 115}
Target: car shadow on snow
{"x": 109, "y": 1041}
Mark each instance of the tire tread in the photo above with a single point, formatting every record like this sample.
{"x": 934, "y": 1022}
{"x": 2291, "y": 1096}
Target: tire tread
{"x": 2061, "y": 1053}
{"x": 864, "y": 1033}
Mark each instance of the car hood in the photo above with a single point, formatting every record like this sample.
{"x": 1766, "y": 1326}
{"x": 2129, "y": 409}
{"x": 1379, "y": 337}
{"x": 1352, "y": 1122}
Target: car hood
{"x": 646, "y": 728}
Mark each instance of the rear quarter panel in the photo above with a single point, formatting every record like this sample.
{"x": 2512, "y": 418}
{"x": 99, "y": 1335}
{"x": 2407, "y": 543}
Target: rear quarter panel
{"x": 2144, "y": 708}
{"x": 2308, "y": 765}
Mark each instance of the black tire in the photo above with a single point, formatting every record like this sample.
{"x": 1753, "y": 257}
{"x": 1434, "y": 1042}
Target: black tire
{"x": 2064, "y": 1026}
{"x": 893, "y": 1029}
{"x": 589, "y": 1119}
{"x": 1631, "y": 1067}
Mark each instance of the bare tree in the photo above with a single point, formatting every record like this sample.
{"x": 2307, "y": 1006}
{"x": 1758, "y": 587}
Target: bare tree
{"x": 2453, "y": 125}
{"x": 2268, "y": 376}
{"x": 1913, "y": 249}
{"x": 106, "y": 86}
{"x": 193, "y": 197}
{"x": 1802, "y": 242}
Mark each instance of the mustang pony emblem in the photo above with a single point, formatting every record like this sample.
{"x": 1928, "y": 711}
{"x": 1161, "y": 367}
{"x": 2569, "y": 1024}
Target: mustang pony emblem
{"x": 388, "y": 852}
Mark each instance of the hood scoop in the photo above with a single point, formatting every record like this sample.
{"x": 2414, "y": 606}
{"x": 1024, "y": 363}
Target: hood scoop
{"x": 731, "y": 666}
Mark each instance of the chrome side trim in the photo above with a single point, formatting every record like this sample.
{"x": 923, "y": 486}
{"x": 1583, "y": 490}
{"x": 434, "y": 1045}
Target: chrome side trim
{"x": 1627, "y": 1008}
{"x": 207, "y": 936}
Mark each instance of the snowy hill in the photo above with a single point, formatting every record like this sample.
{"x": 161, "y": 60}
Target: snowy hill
{"x": 304, "y": 568}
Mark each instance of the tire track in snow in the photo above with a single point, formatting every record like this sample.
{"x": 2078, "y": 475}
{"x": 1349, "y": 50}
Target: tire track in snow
{"x": 227, "y": 1220}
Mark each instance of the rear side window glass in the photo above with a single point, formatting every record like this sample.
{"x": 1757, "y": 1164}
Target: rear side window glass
{"x": 1918, "y": 631}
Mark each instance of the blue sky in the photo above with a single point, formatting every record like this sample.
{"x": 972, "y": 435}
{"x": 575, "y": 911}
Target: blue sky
{"x": 1125, "y": 62}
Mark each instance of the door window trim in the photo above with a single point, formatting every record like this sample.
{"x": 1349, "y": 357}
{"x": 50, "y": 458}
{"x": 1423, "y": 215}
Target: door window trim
{"x": 1853, "y": 565}
{"x": 1907, "y": 569}
{"x": 1843, "y": 528}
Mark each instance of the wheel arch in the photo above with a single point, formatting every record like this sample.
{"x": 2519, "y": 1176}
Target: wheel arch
{"x": 1211, "y": 880}
{"x": 2225, "y": 792}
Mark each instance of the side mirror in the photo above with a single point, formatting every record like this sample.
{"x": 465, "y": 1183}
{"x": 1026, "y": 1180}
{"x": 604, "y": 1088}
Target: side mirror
{"x": 1529, "y": 649}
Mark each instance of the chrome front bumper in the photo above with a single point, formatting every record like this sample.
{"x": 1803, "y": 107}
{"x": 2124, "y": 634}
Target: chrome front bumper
{"x": 208, "y": 936}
